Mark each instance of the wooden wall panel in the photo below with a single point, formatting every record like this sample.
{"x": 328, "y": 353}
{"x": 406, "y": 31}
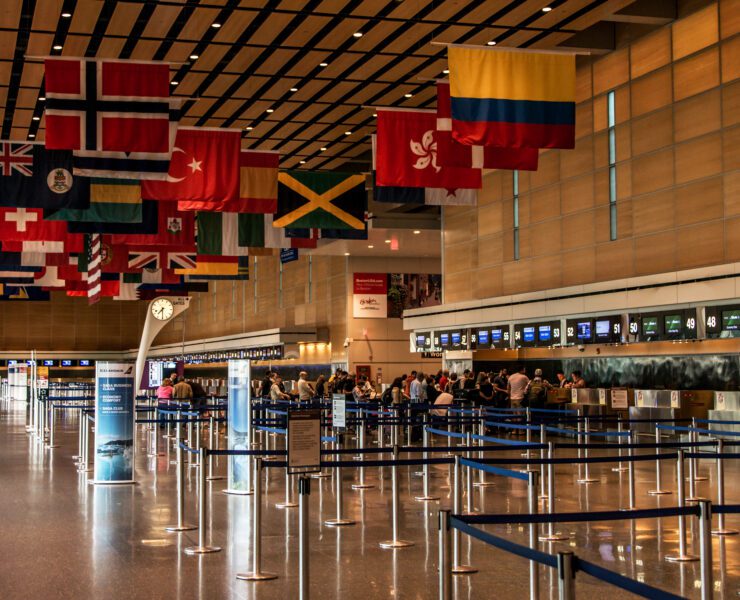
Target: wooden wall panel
{"x": 729, "y": 17}
{"x": 698, "y": 158}
{"x": 652, "y": 172}
{"x": 698, "y": 115}
{"x": 653, "y": 212}
{"x": 696, "y": 74}
{"x": 611, "y": 71}
{"x": 652, "y": 91}
{"x": 577, "y": 194}
{"x": 730, "y": 60}
{"x": 732, "y": 239}
{"x": 653, "y": 131}
{"x": 650, "y": 52}
{"x": 700, "y": 245}
{"x": 655, "y": 253}
{"x": 696, "y": 31}
{"x": 731, "y": 194}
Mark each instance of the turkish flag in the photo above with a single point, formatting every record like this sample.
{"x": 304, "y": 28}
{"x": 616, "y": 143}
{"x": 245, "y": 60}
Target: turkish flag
{"x": 407, "y": 153}
{"x": 204, "y": 167}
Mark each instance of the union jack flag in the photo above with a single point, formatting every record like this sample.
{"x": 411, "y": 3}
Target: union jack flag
{"x": 152, "y": 259}
{"x": 17, "y": 158}
{"x": 143, "y": 260}
{"x": 181, "y": 260}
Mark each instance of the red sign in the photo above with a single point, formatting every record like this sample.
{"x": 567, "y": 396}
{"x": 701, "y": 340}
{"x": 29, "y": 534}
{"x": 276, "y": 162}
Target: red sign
{"x": 370, "y": 283}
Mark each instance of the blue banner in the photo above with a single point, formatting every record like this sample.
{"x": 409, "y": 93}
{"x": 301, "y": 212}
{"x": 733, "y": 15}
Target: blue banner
{"x": 238, "y": 418}
{"x": 114, "y": 422}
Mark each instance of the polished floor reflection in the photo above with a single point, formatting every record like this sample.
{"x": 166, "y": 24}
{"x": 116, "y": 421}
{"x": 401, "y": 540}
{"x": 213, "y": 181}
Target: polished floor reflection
{"x": 65, "y": 538}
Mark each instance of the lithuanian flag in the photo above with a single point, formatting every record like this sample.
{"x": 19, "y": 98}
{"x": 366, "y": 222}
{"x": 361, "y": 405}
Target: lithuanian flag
{"x": 111, "y": 201}
{"x": 512, "y": 98}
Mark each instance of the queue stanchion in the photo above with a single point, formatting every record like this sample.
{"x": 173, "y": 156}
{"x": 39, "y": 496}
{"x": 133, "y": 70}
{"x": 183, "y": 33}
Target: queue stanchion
{"x": 457, "y": 568}
{"x": 544, "y": 470}
{"x": 705, "y": 549}
{"x": 304, "y": 491}
{"x": 190, "y": 438}
{"x": 469, "y": 474}
{"x": 721, "y": 530}
{"x": 566, "y": 576}
{"x": 52, "y": 419}
{"x": 80, "y": 425}
{"x": 168, "y": 425}
{"x": 395, "y": 542}
{"x": 288, "y": 502}
{"x": 339, "y": 521}
{"x": 179, "y": 459}
{"x": 682, "y": 555}
{"x": 359, "y": 435}
{"x": 620, "y": 468}
{"x": 445, "y": 556}
{"x": 362, "y": 485}
{"x": 84, "y": 466}
{"x": 202, "y": 547}
{"x": 695, "y": 433}
{"x": 692, "y": 478}
{"x": 587, "y": 472}
{"x": 426, "y": 496}
{"x": 527, "y": 421}
{"x": 381, "y": 427}
{"x": 631, "y": 474}
{"x": 534, "y": 570}
{"x": 551, "y": 535}
{"x": 211, "y": 445}
{"x": 197, "y": 443}
{"x": 257, "y": 574}
{"x": 658, "y": 491}
{"x": 482, "y": 478}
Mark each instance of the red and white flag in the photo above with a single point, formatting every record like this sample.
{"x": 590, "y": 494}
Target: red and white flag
{"x": 174, "y": 228}
{"x": 204, "y": 168}
{"x": 94, "y": 268}
{"x": 27, "y": 224}
{"x": 407, "y": 153}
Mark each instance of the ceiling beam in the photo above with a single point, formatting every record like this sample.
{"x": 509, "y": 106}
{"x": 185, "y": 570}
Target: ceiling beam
{"x": 600, "y": 38}
{"x": 646, "y": 12}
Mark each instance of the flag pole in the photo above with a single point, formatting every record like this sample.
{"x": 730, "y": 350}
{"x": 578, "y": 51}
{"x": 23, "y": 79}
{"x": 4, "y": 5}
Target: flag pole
{"x": 513, "y": 49}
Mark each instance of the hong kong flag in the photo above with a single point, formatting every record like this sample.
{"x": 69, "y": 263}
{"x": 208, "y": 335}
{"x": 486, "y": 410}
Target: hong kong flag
{"x": 204, "y": 167}
{"x": 407, "y": 153}
{"x": 107, "y": 105}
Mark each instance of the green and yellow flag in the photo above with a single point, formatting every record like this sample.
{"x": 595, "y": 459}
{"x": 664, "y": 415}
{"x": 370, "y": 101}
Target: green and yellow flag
{"x": 111, "y": 201}
{"x": 321, "y": 200}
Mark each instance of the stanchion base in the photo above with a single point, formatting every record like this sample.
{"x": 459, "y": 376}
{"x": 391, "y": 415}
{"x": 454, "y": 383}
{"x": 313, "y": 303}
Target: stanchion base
{"x": 286, "y": 504}
{"x": 178, "y": 528}
{"x": 700, "y": 478}
{"x": 319, "y": 475}
{"x": 426, "y": 498}
{"x": 463, "y": 570}
{"x": 362, "y": 486}
{"x": 396, "y": 544}
{"x": 237, "y": 492}
{"x": 485, "y": 484}
{"x": 696, "y": 499}
{"x": 84, "y": 470}
{"x": 543, "y": 497}
{"x": 191, "y": 550}
{"x": 338, "y": 522}
{"x": 628, "y": 509}
{"x": 555, "y": 537}
{"x": 724, "y": 532}
{"x": 589, "y": 480}
{"x": 261, "y": 576}
{"x": 659, "y": 492}
{"x": 682, "y": 558}
{"x": 620, "y": 469}
{"x": 50, "y": 446}
{"x": 214, "y": 477}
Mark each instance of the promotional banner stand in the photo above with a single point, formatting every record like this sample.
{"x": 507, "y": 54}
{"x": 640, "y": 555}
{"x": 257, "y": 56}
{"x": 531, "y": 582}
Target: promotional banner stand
{"x": 239, "y": 416}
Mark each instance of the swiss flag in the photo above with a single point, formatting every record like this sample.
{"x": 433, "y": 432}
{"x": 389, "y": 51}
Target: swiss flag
{"x": 451, "y": 153}
{"x": 407, "y": 153}
{"x": 174, "y": 228}
{"x": 204, "y": 167}
{"x": 20, "y": 224}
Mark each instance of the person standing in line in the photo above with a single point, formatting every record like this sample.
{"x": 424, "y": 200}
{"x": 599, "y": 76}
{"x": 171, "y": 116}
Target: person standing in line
{"x": 164, "y": 392}
{"x": 173, "y": 378}
{"x": 517, "y": 386}
{"x": 501, "y": 389}
{"x": 266, "y": 384}
{"x": 183, "y": 391}
{"x": 416, "y": 389}
{"x": 485, "y": 391}
{"x": 443, "y": 380}
{"x": 407, "y": 384}
{"x": 305, "y": 390}
{"x": 578, "y": 380}
{"x": 562, "y": 380}
{"x": 275, "y": 392}
{"x": 321, "y": 386}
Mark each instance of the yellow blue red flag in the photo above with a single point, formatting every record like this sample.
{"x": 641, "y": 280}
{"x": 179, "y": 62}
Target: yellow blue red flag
{"x": 513, "y": 99}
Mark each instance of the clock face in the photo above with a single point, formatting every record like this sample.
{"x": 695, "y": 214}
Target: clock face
{"x": 162, "y": 309}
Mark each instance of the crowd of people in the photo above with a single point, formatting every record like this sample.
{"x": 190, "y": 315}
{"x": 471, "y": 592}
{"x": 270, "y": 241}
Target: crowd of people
{"x": 175, "y": 387}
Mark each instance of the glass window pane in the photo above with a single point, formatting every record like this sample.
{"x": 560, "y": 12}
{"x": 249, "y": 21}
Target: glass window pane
{"x": 612, "y": 120}
{"x": 612, "y": 146}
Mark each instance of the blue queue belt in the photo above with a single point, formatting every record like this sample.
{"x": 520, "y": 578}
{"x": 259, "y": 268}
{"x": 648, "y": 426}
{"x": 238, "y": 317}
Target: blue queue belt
{"x": 494, "y": 470}
{"x": 622, "y": 581}
{"x": 574, "y": 460}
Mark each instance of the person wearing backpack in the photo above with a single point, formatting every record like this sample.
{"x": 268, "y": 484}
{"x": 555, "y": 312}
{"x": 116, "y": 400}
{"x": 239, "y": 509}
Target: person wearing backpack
{"x": 536, "y": 396}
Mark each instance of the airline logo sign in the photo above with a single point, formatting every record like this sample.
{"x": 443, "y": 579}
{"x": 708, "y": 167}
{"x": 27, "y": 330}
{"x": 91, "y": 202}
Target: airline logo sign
{"x": 370, "y": 296}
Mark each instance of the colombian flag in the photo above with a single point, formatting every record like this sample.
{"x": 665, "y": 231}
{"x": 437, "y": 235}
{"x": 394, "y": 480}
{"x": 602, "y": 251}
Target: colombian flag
{"x": 512, "y": 99}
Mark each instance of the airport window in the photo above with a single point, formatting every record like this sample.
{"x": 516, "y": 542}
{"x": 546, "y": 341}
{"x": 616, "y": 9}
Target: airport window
{"x": 516, "y": 214}
{"x": 612, "y": 133}
{"x": 310, "y": 278}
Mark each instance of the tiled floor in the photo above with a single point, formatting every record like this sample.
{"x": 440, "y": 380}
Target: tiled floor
{"x": 64, "y": 538}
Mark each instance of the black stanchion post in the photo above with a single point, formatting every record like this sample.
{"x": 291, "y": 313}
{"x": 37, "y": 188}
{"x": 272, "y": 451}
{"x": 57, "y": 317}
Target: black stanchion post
{"x": 457, "y": 568}
{"x": 566, "y": 576}
{"x": 181, "y": 526}
{"x": 682, "y": 555}
{"x": 534, "y": 571}
{"x": 445, "y": 563}
{"x": 202, "y": 547}
{"x": 395, "y": 542}
{"x": 721, "y": 530}
{"x": 304, "y": 490}
{"x": 257, "y": 574}
{"x": 658, "y": 491}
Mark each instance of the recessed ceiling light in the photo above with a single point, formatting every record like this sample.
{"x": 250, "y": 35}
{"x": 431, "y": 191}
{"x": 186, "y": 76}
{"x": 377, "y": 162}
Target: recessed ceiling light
{"x": 323, "y": 149}
{"x": 249, "y": 128}
{"x": 303, "y": 162}
{"x": 407, "y": 95}
{"x": 174, "y": 82}
{"x": 491, "y": 43}
{"x": 36, "y": 118}
{"x": 194, "y": 57}
{"x": 546, "y": 9}
{"x": 347, "y": 133}
{"x": 346, "y": 253}
{"x": 32, "y": 135}
{"x": 66, "y": 15}
{"x": 215, "y": 25}
{"x": 323, "y": 64}
{"x": 42, "y": 98}
{"x": 446, "y": 71}
{"x": 57, "y": 47}
{"x": 357, "y": 34}
{"x": 270, "y": 110}
{"x": 417, "y": 232}
{"x": 371, "y": 246}
{"x": 293, "y": 89}
{"x": 375, "y": 114}
{"x": 387, "y": 241}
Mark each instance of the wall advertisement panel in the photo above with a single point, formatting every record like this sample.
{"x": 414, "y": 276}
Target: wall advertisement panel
{"x": 240, "y": 398}
{"x": 114, "y": 422}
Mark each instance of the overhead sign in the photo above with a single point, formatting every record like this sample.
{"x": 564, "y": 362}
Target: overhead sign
{"x": 339, "y": 411}
{"x": 114, "y": 422}
{"x": 288, "y": 255}
{"x": 304, "y": 441}
{"x": 370, "y": 295}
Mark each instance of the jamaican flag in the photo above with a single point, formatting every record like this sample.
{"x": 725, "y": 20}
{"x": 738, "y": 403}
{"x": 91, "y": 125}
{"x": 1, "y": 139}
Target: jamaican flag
{"x": 321, "y": 200}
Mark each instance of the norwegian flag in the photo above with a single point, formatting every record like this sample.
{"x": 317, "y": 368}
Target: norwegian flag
{"x": 116, "y": 115}
{"x": 94, "y": 271}
{"x": 16, "y": 158}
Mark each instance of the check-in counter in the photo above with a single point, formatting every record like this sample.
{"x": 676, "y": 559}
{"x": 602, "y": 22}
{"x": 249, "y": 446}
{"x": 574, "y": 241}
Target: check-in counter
{"x": 726, "y": 408}
{"x": 591, "y": 402}
{"x": 668, "y": 404}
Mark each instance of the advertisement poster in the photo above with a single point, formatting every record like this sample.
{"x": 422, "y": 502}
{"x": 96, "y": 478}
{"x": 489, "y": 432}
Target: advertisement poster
{"x": 238, "y": 419}
{"x": 114, "y": 422}
{"x": 370, "y": 296}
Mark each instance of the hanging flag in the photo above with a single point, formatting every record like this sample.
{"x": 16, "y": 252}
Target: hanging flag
{"x": 33, "y": 177}
{"x": 32, "y": 294}
{"x": 111, "y": 201}
{"x": 451, "y": 153}
{"x": 204, "y": 167}
{"x": 407, "y": 153}
{"x": 148, "y": 225}
{"x": 72, "y": 243}
{"x": 161, "y": 258}
{"x": 174, "y": 228}
{"x": 150, "y": 291}
{"x": 226, "y": 267}
{"x": 152, "y": 276}
{"x": 93, "y": 267}
{"x": 321, "y": 199}
{"x": 108, "y": 287}
{"x": 17, "y": 261}
{"x": 21, "y": 224}
{"x": 511, "y": 98}
{"x": 48, "y": 278}
{"x": 258, "y": 183}
{"x": 223, "y": 234}
{"x": 256, "y": 232}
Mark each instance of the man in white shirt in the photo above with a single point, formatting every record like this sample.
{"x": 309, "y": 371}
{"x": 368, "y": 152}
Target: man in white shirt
{"x": 444, "y": 399}
{"x": 275, "y": 393}
{"x": 305, "y": 391}
{"x": 517, "y": 386}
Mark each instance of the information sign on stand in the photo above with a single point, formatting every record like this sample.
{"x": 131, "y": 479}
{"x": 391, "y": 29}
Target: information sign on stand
{"x": 239, "y": 419}
{"x": 675, "y": 401}
{"x": 304, "y": 441}
{"x": 42, "y": 382}
{"x": 339, "y": 411}
{"x": 114, "y": 422}
{"x": 619, "y": 399}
